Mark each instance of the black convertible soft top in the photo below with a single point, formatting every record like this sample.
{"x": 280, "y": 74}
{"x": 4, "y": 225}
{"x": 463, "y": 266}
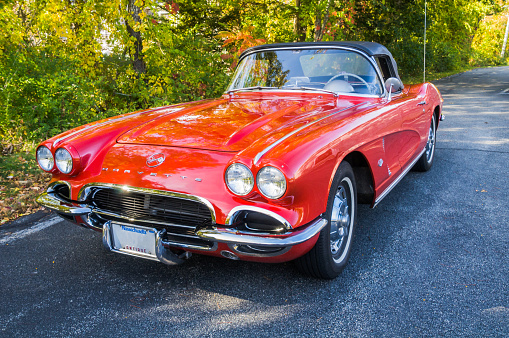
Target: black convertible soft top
{"x": 369, "y": 48}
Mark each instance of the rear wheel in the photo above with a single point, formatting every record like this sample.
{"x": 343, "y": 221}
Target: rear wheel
{"x": 426, "y": 160}
{"x": 331, "y": 252}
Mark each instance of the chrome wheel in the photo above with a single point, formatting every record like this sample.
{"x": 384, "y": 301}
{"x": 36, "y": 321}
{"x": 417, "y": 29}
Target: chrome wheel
{"x": 426, "y": 160}
{"x": 330, "y": 254}
{"x": 430, "y": 145}
{"x": 341, "y": 220}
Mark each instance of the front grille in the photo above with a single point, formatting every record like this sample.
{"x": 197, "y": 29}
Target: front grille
{"x": 180, "y": 217}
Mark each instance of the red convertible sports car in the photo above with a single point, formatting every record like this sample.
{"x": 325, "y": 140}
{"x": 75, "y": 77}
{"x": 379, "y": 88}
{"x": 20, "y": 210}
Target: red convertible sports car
{"x": 272, "y": 171}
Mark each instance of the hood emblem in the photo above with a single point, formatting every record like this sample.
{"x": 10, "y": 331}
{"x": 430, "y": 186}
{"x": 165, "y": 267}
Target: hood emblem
{"x": 155, "y": 160}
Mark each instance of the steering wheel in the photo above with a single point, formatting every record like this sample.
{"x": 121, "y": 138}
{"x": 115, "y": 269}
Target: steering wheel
{"x": 349, "y": 74}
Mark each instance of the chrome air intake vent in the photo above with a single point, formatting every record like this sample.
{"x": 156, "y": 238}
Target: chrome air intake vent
{"x": 252, "y": 221}
{"x": 61, "y": 189}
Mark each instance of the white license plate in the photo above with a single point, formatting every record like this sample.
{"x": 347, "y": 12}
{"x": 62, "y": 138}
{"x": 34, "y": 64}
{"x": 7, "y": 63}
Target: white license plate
{"x": 134, "y": 240}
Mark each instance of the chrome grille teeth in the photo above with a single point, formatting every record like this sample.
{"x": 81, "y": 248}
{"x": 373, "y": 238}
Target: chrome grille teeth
{"x": 152, "y": 207}
{"x": 179, "y": 216}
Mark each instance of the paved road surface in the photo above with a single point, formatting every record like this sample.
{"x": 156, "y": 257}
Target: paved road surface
{"x": 430, "y": 260}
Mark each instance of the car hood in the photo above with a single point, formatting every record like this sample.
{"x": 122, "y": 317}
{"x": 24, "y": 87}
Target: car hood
{"x": 232, "y": 124}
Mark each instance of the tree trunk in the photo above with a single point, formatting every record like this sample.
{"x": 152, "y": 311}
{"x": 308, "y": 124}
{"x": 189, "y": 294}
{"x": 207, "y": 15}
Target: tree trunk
{"x": 139, "y": 64}
{"x": 319, "y": 25}
{"x": 297, "y": 26}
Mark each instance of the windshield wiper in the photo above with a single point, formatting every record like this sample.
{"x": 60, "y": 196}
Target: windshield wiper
{"x": 314, "y": 89}
{"x": 251, "y": 88}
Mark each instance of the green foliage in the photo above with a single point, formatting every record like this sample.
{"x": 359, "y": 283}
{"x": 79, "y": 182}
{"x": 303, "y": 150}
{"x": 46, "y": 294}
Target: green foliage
{"x": 399, "y": 24}
{"x": 56, "y": 72}
{"x": 487, "y": 44}
{"x": 42, "y": 96}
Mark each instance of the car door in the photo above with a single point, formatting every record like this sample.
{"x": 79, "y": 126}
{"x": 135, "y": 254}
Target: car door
{"x": 414, "y": 124}
{"x": 411, "y": 106}
{"x": 382, "y": 151}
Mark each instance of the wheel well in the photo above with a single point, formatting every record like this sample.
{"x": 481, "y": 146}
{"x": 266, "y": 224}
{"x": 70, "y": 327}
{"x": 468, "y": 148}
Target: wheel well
{"x": 436, "y": 112}
{"x": 363, "y": 177}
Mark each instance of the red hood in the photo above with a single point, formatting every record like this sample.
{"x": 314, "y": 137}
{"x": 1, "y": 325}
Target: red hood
{"x": 232, "y": 125}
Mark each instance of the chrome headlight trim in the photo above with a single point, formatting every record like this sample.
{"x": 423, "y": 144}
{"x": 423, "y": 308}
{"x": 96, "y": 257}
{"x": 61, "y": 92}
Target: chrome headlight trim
{"x": 45, "y": 158}
{"x": 239, "y": 179}
{"x": 63, "y": 160}
{"x": 271, "y": 182}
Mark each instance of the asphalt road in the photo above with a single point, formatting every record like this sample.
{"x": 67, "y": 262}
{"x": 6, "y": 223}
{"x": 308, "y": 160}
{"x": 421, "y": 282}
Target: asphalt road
{"x": 430, "y": 260}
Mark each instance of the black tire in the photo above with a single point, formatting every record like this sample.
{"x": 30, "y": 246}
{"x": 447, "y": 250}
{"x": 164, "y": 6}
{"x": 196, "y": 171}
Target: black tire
{"x": 331, "y": 252}
{"x": 426, "y": 161}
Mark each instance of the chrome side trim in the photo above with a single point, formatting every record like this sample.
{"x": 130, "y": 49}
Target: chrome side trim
{"x": 294, "y": 238}
{"x": 86, "y": 189}
{"x": 397, "y": 180}
{"x": 233, "y": 213}
{"x": 273, "y": 145}
{"x": 52, "y": 202}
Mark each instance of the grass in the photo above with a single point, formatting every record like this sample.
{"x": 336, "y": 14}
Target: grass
{"x": 21, "y": 181}
{"x": 433, "y": 76}
{"x": 430, "y": 77}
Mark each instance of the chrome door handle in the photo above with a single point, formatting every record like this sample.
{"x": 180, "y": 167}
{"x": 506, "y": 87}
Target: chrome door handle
{"x": 422, "y": 103}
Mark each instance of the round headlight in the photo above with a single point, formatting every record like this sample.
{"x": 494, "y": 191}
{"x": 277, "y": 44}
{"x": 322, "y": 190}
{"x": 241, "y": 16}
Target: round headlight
{"x": 63, "y": 159}
{"x": 45, "y": 158}
{"x": 271, "y": 182}
{"x": 239, "y": 179}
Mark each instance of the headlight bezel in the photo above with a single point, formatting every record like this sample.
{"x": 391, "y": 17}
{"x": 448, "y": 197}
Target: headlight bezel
{"x": 282, "y": 179}
{"x": 70, "y": 159}
{"x": 38, "y": 158}
{"x": 239, "y": 166}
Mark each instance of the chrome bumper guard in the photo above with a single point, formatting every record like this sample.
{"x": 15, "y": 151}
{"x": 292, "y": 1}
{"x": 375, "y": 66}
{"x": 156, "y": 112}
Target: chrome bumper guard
{"x": 51, "y": 201}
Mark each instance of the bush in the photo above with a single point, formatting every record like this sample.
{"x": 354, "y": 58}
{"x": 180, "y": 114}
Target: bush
{"x": 487, "y": 44}
{"x": 42, "y": 96}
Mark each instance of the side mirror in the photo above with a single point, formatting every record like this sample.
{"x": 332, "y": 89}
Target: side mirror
{"x": 393, "y": 85}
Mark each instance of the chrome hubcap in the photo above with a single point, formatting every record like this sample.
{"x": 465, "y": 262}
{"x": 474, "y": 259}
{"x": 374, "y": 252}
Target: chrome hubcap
{"x": 340, "y": 221}
{"x": 430, "y": 145}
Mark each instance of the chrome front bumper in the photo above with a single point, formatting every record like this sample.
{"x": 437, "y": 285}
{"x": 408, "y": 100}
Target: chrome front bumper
{"x": 51, "y": 201}
{"x": 214, "y": 234}
{"x": 298, "y": 236}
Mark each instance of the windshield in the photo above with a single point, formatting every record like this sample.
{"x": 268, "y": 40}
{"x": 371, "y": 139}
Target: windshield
{"x": 335, "y": 70}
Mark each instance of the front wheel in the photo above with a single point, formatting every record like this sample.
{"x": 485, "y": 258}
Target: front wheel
{"x": 426, "y": 161}
{"x": 331, "y": 252}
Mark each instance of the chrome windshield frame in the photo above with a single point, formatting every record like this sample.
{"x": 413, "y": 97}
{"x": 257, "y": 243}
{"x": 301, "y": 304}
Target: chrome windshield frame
{"x": 371, "y": 60}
